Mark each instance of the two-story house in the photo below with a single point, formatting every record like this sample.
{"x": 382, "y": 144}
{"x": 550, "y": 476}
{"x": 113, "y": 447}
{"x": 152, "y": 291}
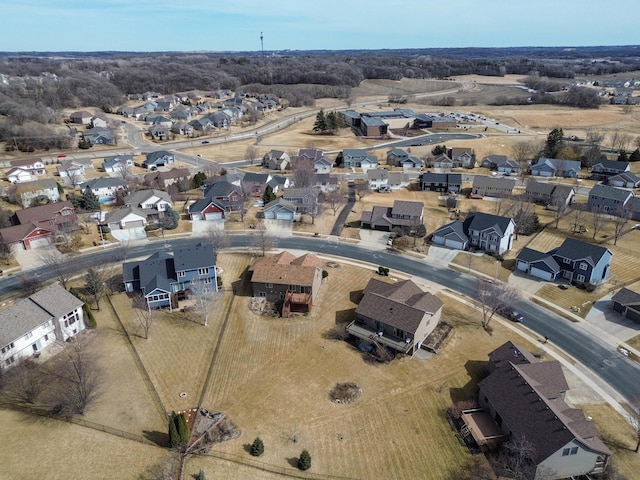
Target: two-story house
{"x": 227, "y": 195}
{"x": 118, "y": 164}
{"x": 501, "y": 163}
{"x": 152, "y": 202}
{"x": 524, "y": 398}
{"x": 358, "y": 158}
{"x": 604, "y": 169}
{"x": 608, "y": 199}
{"x": 60, "y": 216}
{"x": 555, "y": 167}
{"x": 33, "y": 165}
{"x": 483, "y": 231}
{"x": 404, "y": 215}
{"x": 295, "y": 281}
{"x": 254, "y": 184}
{"x": 440, "y": 182}
{"x": 276, "y": 160}
{"x": 396, "y": 156}
{"x": 305, "y": 199}
{"x": 398, "y": 315}
{"x": 462, "y": 157}
{"x": 163, "y": 275}
{"x": 157, "y": 159}
{"x": 162, "y": 180}
{"x": 485, "y": 186}
{"x": 574, "y": 260}
{"x": 105, "y": 188}
{"x": 32, "y": 324}
{"x": 549, "y": 193}
{"x": 29, "y": 193}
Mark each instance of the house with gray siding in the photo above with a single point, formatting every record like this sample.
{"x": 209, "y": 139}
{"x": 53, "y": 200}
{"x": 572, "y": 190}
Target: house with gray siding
{"x": 555, "y": 167}
{"x": 604, "y": 169}
{"x": 440, "y": 182}
{"x": 404, "y": 215}
{"x": 549, "y": 193}
{"x": 487, "y": 186}
{"x": 627, "y": 303}
{"x": 608, "y": 199}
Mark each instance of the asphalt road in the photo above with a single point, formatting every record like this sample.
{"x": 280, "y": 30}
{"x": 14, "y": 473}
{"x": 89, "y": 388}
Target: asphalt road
{"x": 617, "y": 371}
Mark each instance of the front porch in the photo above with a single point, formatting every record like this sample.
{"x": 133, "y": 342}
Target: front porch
{"x": 372, "y": 336}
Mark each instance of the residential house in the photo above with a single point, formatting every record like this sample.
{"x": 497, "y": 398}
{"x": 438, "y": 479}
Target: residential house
{"x": 305, "y": 199}
{"x": 377, "y": 178}
{"x": 294, "y": 281}
{"x": 462, "y": 157}
{"x": 59, "y": 216}
{"x": 574, "y": 260}
{"x": 99, "y": 136}
{"x": 162, "y": 180}
{"x": 99, "y": 122}
{"x": 624, "y": 180}
{"x": 501, "y": 163}
{"x": 549, "y": 193}
{"x": 39, "y": 191}
{"x": 321, "y": 163}
{"x": 326, "y": 183}
{"x": 163, "y": 275}
{"x": 397, "y": 180}
{"x": 159, "y": 132}
{"x": 105, "y": 188}
{"x": 26, "y": 237}
{"x": 487, "y": 186}
{"x": 72, "y": 171}
{"x": 396, "y": 156}
{"x": 524, "y": 398}
{"x": 440, "y": 182}
{"x": 126, "y": 217}
{"x": 310, "y": 154}
{"x": 404, "y": 215}
{"x": 399, "y": 315}
{"x": 202, "y": 124}
{"x": 19, "y": 175}
{"x": 118, "y": 164}
{"x": 278, "y": 183}
{"x": 206, "y": 209}
{"x": 627, "y": 303}
{"x": 157, "y": 159}
{"x": 604, "y": 169}
{"x": 152, "y": 202}
{"x": 280, "y": 209}
{"x": 221, "y": 119}
{"x": 442, "y": 161}
{"x": 254, "y": 184}
{"x": 276, "y": 160}
{"x": 482, "y": 231}
{"x": 182, "y": 128}
{"x": 226, "y": 194}
{"x": 412, "y": 163}
{"x": 604, "y": 198}
{"x": 555, "y": 167}
{"x": 50, "y": 315}
{"x": 33, "y": 165}
{"x": 81, "y": 118}
{"x": 358, "y": 158}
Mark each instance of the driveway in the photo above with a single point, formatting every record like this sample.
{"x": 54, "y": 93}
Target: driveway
{"x": 442, "y": 254}
{"x": 373, "y": 239}
{"x": 602, "y": 316}
{"x": 129, "y": 234}
{"x": 524, "y": 282}
{"x": 33, "y": 258}
{"x": 201, "y": 227}
{"x": 279, "y": 228}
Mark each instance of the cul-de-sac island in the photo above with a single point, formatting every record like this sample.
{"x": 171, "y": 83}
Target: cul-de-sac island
{"x": 353, "y": 265}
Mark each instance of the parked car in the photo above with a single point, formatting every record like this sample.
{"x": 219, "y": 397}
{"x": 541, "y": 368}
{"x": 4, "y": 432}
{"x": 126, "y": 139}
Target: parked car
{"x": 205, "y": 141}
{"x": 510, "y": 314}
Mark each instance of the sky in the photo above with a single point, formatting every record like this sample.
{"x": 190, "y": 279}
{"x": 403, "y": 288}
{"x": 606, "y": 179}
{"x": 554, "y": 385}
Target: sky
{"x": 236, "y": 25}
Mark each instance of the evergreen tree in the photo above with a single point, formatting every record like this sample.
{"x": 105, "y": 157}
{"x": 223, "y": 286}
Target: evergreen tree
{"x": 635, "y": 155}
{"x": 554, "y": 142}
{"x": 90, "y": 201}
{"x": 439, "y": 150}
{"x": 171, "y": 219}
{"x": 332, "y": 121}
{"x": 321, "y": 122}
{"x": 304, "y": 462}
{"x": 198, "y": 180}
{"x": 623, "y": 157}
{"x": 257, "y": 447}
{"x": 339, "y": 160}
{"x": 183, "y": 430}
{"x": 174, "y": 436}
{"x": 84, "y": 144}
{"x": 75, "y": 200}
{"x": 268, "y": 195}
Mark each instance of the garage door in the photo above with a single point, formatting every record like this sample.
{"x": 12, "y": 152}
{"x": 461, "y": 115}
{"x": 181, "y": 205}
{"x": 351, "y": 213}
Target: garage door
{"x": 522, "y": 266}
{"x": 453, "y": 244}
{"x": 284, "y": 216}
{"x": 196, "y": 217}
{"x": 536, "y": 272}
{"x": 213, "y": 216}
{"x": 136, "y": 224}
{"x": 40, "y": 242}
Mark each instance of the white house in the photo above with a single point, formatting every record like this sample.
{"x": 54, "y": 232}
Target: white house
{"x": 105, "y": 188}
{"x": 19, "y": 175}
{"x": 127, "y": 217}
{"x": 31, "y": 324}
{"x": 118, "y": 164}
{"x": 34, "y": 165}
{"x": 155, "y": 200}
{"x": 26, "y": 192}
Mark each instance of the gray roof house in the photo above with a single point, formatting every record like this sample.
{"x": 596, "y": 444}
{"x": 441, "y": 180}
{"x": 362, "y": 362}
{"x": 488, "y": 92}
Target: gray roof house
{"x": 627, "y": 303}
{"x": 549, "y": 193}
{"x": 50, "y": 315}
{"x": 486, "y": 186}
{"x": 403, "y": 215}
{"x": 624, "y": 180}
{"x": 158, "y": 159}
{"x": 105, "y": 188}
{"x": 440, "y": 182}
{"x": 603, "y": 169}
{"x": 501, "y": 163}
{"x": 523, "y": 397}
{"x": 398, "y": 315}
{"x": 396, "y": 156}
{"x": 483, "y": 231}
{"x": 555, "y": 167}
{"x": 276, "y": 160}
{"x": 608, "y": 199}
{"x": 574, "y": 260}
{"x": 358, "y": 158}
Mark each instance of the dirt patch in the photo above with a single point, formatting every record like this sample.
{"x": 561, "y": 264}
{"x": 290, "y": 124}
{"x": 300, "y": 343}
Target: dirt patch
{"x": 345, "y": 393}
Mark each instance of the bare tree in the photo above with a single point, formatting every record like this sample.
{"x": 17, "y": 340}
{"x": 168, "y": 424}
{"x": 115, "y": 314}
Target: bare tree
{"x": 577, "y": 218}
{"x": 74, "y": 176}
{"x": 79, "y": 377}
{"x": 516, "y": 458}
{"x": 560, "y": 209}
{"x": 144, "y": 312}
{"x": 24, "y": 384}
{"x": 523, "y": 152}
{"x": 167, "y": 468}
{"x": 598, "y": 220}
{"x": 262, "y": 240}
{"x": 122, "y": 170}
{"x": 304, "y": 175}
{"x": 58, "y": 264}
{"x": 362, "y": 189}
{"x": 218, "y": 238}
{"x": 95, "y": 284}
{"x": 594, "y": 137}
{"x": 251, "y": 153}
{"x": 334, "y": 199}
{"x": 84, "y": 219}
{"x": 619, "y": 221}
{"x": 28, "y": 285}
{"x": 125, "y": 249}
{"x": 492, "y": 297}
{"x": 204, "y": 295}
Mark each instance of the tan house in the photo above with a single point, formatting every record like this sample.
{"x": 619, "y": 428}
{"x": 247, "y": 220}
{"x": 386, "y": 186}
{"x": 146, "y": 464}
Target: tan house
{"x": 396, "y": 315}
{"x": 294, "y": 281}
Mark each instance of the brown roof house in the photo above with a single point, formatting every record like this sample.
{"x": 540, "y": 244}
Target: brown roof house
{"x": 398, "y": 315}
{"x": 523, "y": 397}
{"x": 403, "y": 215}
{"x": 294, "y": 281}
{"x": 59, "y": 216}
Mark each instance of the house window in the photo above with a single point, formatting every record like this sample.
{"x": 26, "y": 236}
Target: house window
{"x": 181, "y": 274}
{"x": 203, "y": 271}
{"x": 580, "y": 278}
{"x": 583, "y": 266}
{"x": 566, "y": 452}
{"x": 574, "y": 450}
{"x": 207, "y": 281}
{"x": 262, "y": 294}
{"x": 7, "y": 348}
{"x": 498, "y": 419}
{"x": 9, "y": 360}
{"x": 268, "y": 285}
{"x": 46, "y": 338}
{"x": 45, "y": 324}
{"x": 566, "y": 260}
{"x": 28, "y": 335}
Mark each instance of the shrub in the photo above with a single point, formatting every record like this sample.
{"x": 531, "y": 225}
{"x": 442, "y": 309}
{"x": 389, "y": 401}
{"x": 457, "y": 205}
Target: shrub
{"x": 219, "y": 281}
{"x": 257, "y": 447}
{"x": 304, "y": 462}
{"x": 89, "y": 319}
{"x": 200, "y": 475}
{"x": 325, "y": 274}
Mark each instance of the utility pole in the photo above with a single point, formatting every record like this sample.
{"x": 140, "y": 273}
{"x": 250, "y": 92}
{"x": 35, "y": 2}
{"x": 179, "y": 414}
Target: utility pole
{"x": 262, "y": 43}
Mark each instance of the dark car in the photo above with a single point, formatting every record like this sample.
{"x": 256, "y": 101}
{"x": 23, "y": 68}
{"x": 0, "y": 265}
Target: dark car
{"x": 205, "y": 141}
{"x": 510, "y": 314}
